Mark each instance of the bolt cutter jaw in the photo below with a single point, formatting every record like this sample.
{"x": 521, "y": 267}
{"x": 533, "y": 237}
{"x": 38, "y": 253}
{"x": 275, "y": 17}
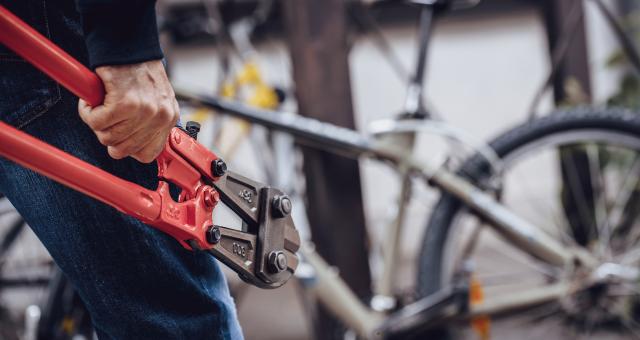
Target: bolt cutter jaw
{"x": 265, "y": 253}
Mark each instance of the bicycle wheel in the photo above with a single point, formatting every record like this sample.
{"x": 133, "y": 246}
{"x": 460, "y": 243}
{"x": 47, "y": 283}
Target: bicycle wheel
{"x": 542, "y": 183}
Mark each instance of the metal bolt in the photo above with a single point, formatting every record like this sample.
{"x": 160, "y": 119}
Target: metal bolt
{"x": 281, "y": 205}
{"x": 211, "y": 197}
{"x": 277, "y": 261}
{"x": 192, "y": 129}
{"x": 218, "y": 167}
{"x": 214, "y": 234}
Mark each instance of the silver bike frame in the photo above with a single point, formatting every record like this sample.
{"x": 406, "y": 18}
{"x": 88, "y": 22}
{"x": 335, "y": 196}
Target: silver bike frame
{"x": 331, "y": 289}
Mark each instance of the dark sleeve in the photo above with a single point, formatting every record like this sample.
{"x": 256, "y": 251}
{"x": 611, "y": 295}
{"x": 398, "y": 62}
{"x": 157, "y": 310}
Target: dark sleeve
{"x": 120, "y": 32}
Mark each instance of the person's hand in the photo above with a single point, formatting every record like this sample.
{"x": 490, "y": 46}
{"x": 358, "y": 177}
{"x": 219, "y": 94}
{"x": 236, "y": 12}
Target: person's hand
{"x": 138, "y": 112}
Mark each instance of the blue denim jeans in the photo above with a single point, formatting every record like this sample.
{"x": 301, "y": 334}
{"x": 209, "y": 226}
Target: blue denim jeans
{"x": 136, "y": 282}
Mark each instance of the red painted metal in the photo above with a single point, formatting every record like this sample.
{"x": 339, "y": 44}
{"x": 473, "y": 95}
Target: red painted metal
{"x": 182, "y": 162}
{"x": 35, "y": 154}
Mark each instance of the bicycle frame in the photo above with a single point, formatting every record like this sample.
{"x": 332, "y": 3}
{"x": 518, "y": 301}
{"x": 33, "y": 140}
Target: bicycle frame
{"x": 332, "y": 291}
{"x": 31, "y": 152}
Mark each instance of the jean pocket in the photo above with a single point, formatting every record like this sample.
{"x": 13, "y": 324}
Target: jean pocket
{"x": 25, "y": 92}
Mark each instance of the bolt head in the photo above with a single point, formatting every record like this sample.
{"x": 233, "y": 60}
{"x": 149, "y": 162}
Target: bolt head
{"x": 218, "y": 167}
{"x": 211, "y": 197}
{"x": 281, "y": 205}
{"x": 192, "y": 129}
{"x": 214, "y": 234}
{"x": 277, "y": 261}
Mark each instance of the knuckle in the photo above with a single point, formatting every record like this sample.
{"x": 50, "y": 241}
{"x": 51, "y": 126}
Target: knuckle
{"x": 167, "y": 114}
{"x": 128, "y": 104}
{"x": 144, "y": 157}
{"x": 130, "y": 99}
{"x": 100, "y": 120}
{"x": 148, "y": 108}
{"x": 127, "y": 148}
{"x": 110, "y": 138}
{"x": 116, "y": 153}
{"x": 145, "y": 104}
{"x": 104, "y": 138}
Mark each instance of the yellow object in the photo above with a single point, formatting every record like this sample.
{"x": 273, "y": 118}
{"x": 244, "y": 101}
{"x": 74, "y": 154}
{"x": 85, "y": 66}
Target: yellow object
{"x": 264, "y": 97}
{"x": 480, "y": 324}
{"x": 250, "y": 74}
{"x": 228, "y": 90}
{"x": 200, "y": 115}
{"x": 247, "y": 86}
{"x": 249, "y": 82}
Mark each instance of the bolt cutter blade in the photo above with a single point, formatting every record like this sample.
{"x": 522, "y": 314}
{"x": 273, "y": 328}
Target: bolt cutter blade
{"x": 264, "y": 255}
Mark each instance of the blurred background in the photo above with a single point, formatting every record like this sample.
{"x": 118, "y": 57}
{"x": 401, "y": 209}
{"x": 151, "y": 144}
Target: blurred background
{"x": 488, "y": 68}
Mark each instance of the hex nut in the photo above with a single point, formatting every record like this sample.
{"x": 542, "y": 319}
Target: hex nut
{"x": 218, "y": 167}
{"x": 214, "y": 234}
{"x": 281, "y": 205}
{"x": 277, "y": 261}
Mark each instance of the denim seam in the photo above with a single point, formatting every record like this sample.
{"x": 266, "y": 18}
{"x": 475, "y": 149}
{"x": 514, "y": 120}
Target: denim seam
{"x": 42, "y": 108}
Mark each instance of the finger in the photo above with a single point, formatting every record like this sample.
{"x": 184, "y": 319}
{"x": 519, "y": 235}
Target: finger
{"x": 133, "y": 144}
{"x": 83, "y": 108}
{"x": 151, "y": 151}
{"x": 118, "y": 133}
{"x": 100, "y": 117}
{"x": 130, "y": 143}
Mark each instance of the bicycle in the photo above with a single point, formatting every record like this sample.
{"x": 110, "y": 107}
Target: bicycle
{"x": 457, "y": 235}
{"x": 450, "y": 292}
{"x": 25, "y": 266}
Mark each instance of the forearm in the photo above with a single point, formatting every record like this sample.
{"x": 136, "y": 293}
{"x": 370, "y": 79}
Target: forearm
{"x": 119, "y": 32}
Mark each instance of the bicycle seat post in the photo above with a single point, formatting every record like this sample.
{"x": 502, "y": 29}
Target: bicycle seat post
{"x": 414, "y": 107}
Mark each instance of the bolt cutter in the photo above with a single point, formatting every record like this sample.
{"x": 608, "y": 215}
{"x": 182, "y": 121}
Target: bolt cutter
{"x": 263, "y": 253}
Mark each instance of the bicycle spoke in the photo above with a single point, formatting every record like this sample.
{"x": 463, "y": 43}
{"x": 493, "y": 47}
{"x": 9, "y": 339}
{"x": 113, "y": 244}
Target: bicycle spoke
{"x": 631, "y": 257}
{"x": 632, "y": 289}
{"x": 590, "y": 325}
{"x": 630, "y": 233}
{"x": 629, "y": 184}
{"x": 545, "y": 209}
{"x": 472, "y": 241}
{"x": 598, "y": 187}
{"x": 632, "y": 326}
{"x": 577, "y": 191}
{"x": 542, "y": 313}
{"x": 523, "y": 258}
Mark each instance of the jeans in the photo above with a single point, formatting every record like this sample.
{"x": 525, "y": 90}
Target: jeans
{"x": 137, "y": 282}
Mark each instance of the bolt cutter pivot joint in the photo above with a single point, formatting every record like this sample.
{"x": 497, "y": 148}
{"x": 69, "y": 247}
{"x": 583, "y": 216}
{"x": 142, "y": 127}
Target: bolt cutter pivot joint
{"x": 201, "y": 176}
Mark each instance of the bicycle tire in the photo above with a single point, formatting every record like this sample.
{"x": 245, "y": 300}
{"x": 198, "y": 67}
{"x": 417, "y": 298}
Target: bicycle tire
{"x": 432, "y": 256}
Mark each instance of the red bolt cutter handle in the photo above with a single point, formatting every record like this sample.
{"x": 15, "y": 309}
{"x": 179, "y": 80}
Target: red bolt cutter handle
{"x": 185, "y": 220}
{"x": 266, "y": 258}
